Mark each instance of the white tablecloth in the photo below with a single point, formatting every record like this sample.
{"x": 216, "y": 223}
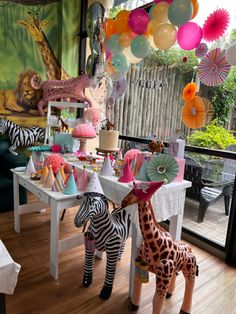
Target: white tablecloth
{"x": 9, "y": 271}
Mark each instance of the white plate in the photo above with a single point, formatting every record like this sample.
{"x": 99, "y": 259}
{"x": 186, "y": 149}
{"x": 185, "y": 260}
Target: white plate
{"x": 20, "y": 169}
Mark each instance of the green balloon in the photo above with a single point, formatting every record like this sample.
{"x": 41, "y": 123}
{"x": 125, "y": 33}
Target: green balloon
{"x": 140, "y": 47}
{"x": 180, "y": 12}
{"x": 120, "y": 62}
{"x": 114, "y": 45}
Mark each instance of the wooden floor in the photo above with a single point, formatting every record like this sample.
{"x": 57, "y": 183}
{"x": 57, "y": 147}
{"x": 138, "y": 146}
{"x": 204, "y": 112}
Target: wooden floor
{"x": 37, "y": 292}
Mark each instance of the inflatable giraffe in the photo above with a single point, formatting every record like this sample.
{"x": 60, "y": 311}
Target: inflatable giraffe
{"x": 54, "y": 70}
{"x": 164, "y": 256}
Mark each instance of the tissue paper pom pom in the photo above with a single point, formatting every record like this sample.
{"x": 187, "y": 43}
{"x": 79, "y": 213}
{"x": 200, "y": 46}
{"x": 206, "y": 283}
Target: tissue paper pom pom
{"x": 216, "y": 25}
{"x": 189, "y": 91}
{"x": 55, "y": 161}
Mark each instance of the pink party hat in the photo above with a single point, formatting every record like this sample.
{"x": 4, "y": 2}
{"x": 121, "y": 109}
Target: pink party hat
{"x": 127, "y": 175}
{"x": 58, "y": 184}
{"x": 48, "y": 183}
{"x": 44, "y": 174}
{"x": 83, "y": 180}
{"x": 107, "y": 170}
{"x": 62, "y": 172}
{"x": 145, "y": 190}
{"x": 94, "y": 184}
{"x": 71, "y": 187}
{"x": 30, "y": 167}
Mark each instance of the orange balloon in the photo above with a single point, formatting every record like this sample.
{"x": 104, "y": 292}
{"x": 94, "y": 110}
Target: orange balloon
{"x": 125, "y": 39}
{"x": 160, "y": 12}
{"x": 195, "y": 5}
{"x": 109, "y": 67}
{"x": 109, "y": 27}
{"x": 152, "y": 25}
{"x": 122, "y": 21}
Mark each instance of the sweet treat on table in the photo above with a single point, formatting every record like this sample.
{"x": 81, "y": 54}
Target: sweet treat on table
{"x": 108, "y": 138}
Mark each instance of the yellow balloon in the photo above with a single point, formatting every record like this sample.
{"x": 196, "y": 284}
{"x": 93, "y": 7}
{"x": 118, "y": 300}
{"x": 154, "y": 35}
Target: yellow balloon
{"x": 130, "y": 57}
{"x": 165, "y": 36}
{"x": 160, "y": 12}
{"x": 152, "y": 25}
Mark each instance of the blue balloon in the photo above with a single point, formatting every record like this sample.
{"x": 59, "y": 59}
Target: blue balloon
{"x": 120, "y": 62}
{"x": 140, "y": 47}
{"x": 114, "y": 45}
{"x": 180, "y": 12}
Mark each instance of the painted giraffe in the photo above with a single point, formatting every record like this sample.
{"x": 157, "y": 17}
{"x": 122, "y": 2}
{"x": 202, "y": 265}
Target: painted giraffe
{"x": 164, "y": 256}
{"x": 54, "y": 70}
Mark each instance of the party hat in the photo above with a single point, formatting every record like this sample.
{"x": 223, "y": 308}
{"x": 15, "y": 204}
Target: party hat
{"x": 133, "y": 166}
{"x": 83, "y": 180}
{"x": 48, "y": 183}
{"x": 62, "y": 172}
{"x": 58, "y": 184}
{"x": 44, "y": 174}
{"x": 94, "y": 184}
{"x": 142, "y": 174}
{"x": 106, "y": 167}
{"x": 127, "y": 175}
{"x": 145, "y": 190}
{"x": 30, "y": 167}
{"x": 71, "y": 185}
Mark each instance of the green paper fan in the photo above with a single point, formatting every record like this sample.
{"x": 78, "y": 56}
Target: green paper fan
{"x": 162, "y": 168}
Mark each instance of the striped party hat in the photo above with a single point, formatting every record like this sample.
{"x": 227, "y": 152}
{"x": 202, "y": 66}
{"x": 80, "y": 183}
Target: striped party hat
{"x": 58, "y": 184}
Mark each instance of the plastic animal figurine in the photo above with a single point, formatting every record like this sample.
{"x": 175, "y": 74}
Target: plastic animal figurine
{"x": 72, "y": 88}
{"x": 156, "y": 146}
{"x": 107, "y": 232}
{"x": 163, "y": 255}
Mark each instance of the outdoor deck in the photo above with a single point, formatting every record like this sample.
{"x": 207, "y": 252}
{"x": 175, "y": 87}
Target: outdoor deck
{"x": 214, "y": 226}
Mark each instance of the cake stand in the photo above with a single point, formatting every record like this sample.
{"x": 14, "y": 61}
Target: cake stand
{"x": 104, "y": 152}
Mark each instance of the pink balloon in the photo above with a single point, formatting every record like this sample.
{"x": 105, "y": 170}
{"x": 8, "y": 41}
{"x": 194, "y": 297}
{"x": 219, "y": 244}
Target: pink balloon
{"x": 168, "y": 1}
{"x": 189, "y": 36}
{"x": 138, "y": 21}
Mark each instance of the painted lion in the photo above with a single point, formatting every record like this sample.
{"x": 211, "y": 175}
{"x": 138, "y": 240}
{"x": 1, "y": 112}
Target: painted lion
{"x": 27, "y": 94}
{"x": 25, "y": 97}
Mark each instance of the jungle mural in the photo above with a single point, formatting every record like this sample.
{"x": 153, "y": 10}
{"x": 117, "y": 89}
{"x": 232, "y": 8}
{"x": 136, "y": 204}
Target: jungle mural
{"x": 39, "y": 41}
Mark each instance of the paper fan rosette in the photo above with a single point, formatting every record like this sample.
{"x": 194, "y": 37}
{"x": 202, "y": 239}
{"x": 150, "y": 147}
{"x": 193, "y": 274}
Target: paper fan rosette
{"x": 209, "y": 111}
{"x": 216, "y": 25}
{"x": 213, "y": 68}
{"x": 162, "y": 167}
{"x": 193, "y": 113}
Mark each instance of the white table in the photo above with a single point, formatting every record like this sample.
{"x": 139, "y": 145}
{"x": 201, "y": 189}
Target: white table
{"x": 168, "y": 203}
{"x": 47, "y": 198}
{"x": 9, "y": 271}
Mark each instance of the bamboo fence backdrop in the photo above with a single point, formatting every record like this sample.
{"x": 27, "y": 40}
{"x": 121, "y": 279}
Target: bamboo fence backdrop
{"x": 152, "y": 102}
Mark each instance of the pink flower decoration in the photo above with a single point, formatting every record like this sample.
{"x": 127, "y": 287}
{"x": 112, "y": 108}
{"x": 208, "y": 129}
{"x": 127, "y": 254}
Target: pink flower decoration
{"x": 216, "y": 25}
{"x": 201, "y": 50}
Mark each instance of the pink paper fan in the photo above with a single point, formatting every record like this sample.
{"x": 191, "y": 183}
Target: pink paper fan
{"x": 216, "y": 25}
{"x": 213, "y": 68}
{"x": 201, "y": 50}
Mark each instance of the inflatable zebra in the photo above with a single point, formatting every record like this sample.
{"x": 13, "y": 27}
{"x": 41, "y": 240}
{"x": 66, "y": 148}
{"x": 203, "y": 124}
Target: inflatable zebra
{"x": 108, "y": 232}
{"x": 21, "y": 136}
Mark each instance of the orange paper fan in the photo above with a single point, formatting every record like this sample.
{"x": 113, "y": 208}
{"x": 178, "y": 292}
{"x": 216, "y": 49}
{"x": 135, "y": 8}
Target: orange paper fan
{"x": 193, "y": 113}
{"x": 209, "y": 111}
{"x": 189, "y": 91}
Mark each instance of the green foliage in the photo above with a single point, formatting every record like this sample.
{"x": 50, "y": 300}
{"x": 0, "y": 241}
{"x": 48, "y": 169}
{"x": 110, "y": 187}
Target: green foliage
{"x": 215, "y": 136}
{"x": 174, "y": 57}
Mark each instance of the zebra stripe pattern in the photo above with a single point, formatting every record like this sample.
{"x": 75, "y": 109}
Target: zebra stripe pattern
{"x": 21, "y": 136}
{"x": 109, "y": 231}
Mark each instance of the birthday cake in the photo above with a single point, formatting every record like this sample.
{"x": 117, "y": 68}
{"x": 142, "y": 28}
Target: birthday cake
{"x": 108, "y": 140}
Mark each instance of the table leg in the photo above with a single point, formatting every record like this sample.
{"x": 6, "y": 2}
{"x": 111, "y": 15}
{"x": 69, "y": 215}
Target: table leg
{"x": 2, "y": 303}
{"x": 16, "y": 203}
{"x": 176, "y": 226}
{"x": 54, "y": 238}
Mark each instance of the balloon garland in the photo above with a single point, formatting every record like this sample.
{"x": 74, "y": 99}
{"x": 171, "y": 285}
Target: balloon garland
{"x": 128, "y": 38}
